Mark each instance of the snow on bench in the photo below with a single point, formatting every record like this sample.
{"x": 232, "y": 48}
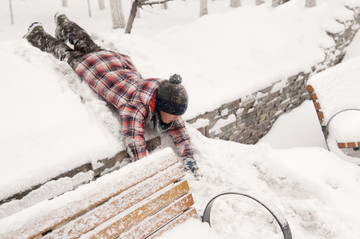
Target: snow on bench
{"x": 335, "y": 94}
{"x": 137, "y": 201}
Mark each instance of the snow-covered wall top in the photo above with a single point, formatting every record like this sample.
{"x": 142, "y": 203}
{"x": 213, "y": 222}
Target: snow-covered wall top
{"x": 232, "y": 48}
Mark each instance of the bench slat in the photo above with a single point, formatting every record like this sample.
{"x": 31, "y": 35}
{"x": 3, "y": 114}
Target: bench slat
{"x": 191, "y": 213}
{"x": 348, "y": 144}
{"x": 155, "y": 222}
{"x": 131, "y": 217}
{"x": 118, "y": 204}
{"x": 105, "y": 189}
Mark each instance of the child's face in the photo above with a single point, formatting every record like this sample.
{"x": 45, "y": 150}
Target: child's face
{"x": 168, "y": 118}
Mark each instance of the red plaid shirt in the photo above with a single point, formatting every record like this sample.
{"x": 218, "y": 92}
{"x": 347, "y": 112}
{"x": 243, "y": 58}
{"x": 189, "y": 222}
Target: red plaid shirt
{"x": 113, "y": 76}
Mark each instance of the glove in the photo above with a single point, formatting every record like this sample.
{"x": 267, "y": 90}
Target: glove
{"x": 190, "y": 165}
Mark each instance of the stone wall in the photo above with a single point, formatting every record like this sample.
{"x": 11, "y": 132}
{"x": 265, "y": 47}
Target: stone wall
{"x": 249, "y": 118}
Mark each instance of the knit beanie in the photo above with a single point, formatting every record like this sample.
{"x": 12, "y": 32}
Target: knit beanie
{"x": 171, "y": 96}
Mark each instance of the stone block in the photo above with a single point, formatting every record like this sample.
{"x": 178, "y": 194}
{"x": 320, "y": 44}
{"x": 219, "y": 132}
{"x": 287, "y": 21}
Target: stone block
{"x": 153, "y": 143}
{"x": 248, "y": 103}
{"x": 274, "y": 95}
{"x": 210, "y": 115}
{"x": 240, "y": 126}
{"x": 266, "y": 90}
{"x": 284, "y": 106}
{"x": 264, "y": 99}
{"x": 270, "y": 105}
{"x": 230, "y": 127}
{"x": 263, "y": 117}
{"x": 292, "y": 79}
{"x": 203, "y": 131}
{"x": 273, "y": 112}
{"x": 108, "y": 165}
{"x": 232, "y": 107}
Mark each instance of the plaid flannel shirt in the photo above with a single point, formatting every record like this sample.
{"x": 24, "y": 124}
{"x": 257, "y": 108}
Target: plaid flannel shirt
{"x": 113, "y": 76}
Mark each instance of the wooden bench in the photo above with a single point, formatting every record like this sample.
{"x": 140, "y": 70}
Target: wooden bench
{"x": 140, "y": 200}
{"x": 335, "y": 94}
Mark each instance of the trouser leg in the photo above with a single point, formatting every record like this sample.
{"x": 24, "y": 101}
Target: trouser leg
{"x": 47, "y": 43}
{"x": 78, "y": 37}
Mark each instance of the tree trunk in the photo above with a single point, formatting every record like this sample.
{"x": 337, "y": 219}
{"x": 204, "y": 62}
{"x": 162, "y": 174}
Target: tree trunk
{"x": 89, "y": 8}
{"x": 101, "y": 4}
{"x": 259, "y": 2}
{"x": 117, "y": 14}
{"x": 275, "y": 3}
{"x": 138, "y": 15}
{"x": 132, "y": 16}
{"x": 11, "y": 13}
{"x": 203, "y": 7}
{"x": 310, "y": 3}
{"x": 164, "y": 6}
{"x": 235, "y": 3}
{"x": 65, "y": 3}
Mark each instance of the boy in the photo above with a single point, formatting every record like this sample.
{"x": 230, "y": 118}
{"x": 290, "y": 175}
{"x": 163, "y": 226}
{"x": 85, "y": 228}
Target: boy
{"x": 114, "y": 77}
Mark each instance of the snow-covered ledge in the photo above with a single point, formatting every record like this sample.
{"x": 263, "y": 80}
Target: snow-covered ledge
{"x": 249, "y": 118}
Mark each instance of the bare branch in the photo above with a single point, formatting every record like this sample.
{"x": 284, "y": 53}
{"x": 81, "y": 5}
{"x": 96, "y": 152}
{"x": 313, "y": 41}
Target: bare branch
{"x": 143, "y": 3}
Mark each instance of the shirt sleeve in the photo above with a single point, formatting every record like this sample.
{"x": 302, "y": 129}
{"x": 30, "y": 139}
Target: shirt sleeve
{"x": 132, "y": 125}
{"x": 181, "y": 139}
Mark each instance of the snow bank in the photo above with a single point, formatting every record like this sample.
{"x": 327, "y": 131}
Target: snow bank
{"x": 317, "y": 192}
{"x": 45, "y": 128}
{"x": 217, "y": 51}
{"x": 337, "y": 89}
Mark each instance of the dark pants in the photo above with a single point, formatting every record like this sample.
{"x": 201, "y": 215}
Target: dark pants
{"x": 82, "y": 42}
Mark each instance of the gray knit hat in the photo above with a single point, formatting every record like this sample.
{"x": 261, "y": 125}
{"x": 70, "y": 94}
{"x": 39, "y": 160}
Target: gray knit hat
{"x": 171, "y": 96}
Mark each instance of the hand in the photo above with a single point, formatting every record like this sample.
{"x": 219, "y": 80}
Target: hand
{"x": 190, "y": 165}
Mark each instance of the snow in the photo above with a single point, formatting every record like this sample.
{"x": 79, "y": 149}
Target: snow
{"x": 300, "y": 128}
{"x": 51, "y": 122}
{"x": 354, "y": 49}
{"x": 337, "y": 88}
{"x": 316, "y": 191}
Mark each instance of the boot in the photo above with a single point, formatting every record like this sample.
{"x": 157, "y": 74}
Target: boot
{"x": 60, "y": 20}
{"x": 77, "y": 36}
{"x": 33, "y": 30}
{"x": 37, "y": 37}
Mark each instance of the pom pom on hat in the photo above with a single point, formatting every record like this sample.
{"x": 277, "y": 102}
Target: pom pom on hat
{"x": 171, "y": 96}
{"x": 176, "y": 79}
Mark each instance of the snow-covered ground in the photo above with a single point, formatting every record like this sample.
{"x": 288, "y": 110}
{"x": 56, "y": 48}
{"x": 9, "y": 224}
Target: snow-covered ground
{"x": 46, "y": 128}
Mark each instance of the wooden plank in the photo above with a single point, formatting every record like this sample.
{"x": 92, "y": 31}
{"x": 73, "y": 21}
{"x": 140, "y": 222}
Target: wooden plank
{"x": 317, "y": 106}
{"x": 133, "y": 216}
{"x": 90, "y": 200}
{"x": 118, "y": 204}
{"x": 342, "y": 145}
{"x": 191, "y": 213}
{"x": 351, "y": 145}
{"x": 156, "y": 221}
{"x": 310, "y": 88}
{"x": 320, "y": 115}
{"x": 314, "y": 97}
